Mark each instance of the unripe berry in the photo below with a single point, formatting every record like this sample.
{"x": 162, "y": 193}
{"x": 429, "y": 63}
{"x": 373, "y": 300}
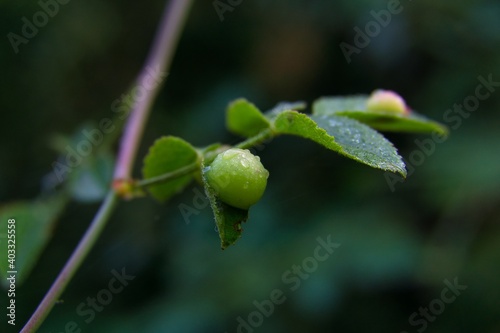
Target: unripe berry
{"x": 238, "y": 177}
{"x": 386, "y": 101}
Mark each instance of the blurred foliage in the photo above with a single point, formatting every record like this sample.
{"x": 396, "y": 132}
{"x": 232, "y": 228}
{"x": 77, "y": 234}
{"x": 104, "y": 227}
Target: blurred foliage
{"x": 397, "y": 247}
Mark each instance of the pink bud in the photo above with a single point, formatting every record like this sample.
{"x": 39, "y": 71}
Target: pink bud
{"x": 387, "y": 101}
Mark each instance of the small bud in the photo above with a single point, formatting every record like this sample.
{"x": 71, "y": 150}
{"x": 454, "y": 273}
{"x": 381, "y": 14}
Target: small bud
{"x": 127, "y": 189}
{"x": 387, "y": 101}
{"x": 238, "y": 177}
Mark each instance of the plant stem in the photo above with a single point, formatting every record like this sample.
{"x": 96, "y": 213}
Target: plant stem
{"x": 250, "y": 142}
{"x": 158, "y": 60}
{"x": 73, "y": 263}
{"x": 257, "y": 139}
{"x": 168, "y": 176}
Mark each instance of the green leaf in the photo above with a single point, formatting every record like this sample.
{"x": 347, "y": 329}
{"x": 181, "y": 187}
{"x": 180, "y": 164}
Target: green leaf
{"x": 34, "y": 222}
{"x": 285, "y": 106}
{"x": 345, "y": 136}
{"x": 228, "y": 219}
{"x": 355, "y": 107}
{"x": 332, "y": 105}
{"x": 166, "y": 155}
{"x": 245, "y": 119}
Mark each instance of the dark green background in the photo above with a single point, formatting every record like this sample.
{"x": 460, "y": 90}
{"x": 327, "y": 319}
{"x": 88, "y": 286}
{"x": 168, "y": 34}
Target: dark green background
{"x": 397, "y": 247}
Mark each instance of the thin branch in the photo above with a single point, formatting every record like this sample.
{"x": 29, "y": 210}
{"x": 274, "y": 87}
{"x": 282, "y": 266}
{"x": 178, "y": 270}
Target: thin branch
{"x": 158, "y": 61}
{"x": 72, "y": 264}
{"x": 168, "y": 176}
{"x": 256, "y": 140}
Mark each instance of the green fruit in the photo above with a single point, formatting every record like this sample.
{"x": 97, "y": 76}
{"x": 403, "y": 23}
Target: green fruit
{"x": 237, "y": 177}
{"x": 386, "y": 101}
